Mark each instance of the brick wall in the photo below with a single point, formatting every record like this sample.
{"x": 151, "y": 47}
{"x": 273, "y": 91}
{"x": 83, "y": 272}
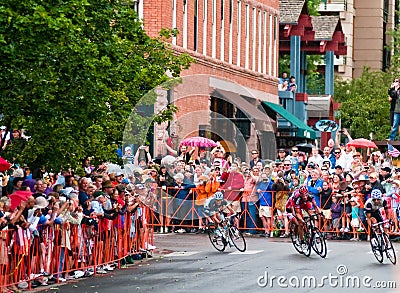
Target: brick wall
{"x": 159, "y": 13}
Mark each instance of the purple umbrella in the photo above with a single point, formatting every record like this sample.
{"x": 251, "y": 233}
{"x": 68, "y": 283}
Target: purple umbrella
{"x": 198, "y": 141}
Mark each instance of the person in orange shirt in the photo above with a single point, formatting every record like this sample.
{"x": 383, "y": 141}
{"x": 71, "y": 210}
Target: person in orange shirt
{"x": 205, "y": 189}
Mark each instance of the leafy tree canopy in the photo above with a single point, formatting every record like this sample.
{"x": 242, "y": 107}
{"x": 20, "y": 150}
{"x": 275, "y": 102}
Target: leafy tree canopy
{"x": 72, "y": 71}
{"x": 364, "y": 106}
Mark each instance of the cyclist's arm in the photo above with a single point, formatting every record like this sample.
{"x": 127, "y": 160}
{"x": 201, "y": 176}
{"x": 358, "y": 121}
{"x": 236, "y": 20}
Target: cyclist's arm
{"x": 368, "y": 214}
{"x": 298, "y": 215}
{"x": 231, "y": 211}
{"x": 317, "y": 208}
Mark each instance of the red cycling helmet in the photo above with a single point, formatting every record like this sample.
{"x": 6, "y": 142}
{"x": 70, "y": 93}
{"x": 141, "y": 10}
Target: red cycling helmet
{"x": 303, "y": 190}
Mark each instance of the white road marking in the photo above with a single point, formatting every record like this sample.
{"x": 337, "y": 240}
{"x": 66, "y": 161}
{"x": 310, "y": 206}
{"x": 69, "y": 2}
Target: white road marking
{"x": 247, "y": 252}
{"x": 181, "y": 253}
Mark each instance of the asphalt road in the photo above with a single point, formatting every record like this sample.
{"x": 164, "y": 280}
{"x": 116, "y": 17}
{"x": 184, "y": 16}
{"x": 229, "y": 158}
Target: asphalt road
{"x": 188, "y": 263}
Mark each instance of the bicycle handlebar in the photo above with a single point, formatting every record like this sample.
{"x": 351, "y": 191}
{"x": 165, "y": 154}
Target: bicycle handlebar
{"x": 381, "y": 223}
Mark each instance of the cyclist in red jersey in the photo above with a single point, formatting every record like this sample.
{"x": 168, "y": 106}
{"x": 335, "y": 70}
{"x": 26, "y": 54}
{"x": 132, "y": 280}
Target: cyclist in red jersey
{"x": 301, "y": 201}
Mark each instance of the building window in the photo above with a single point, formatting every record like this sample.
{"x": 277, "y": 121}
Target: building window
{"x": 204, "y": 27}
{"x": 247, "y": 36}
{"x": 259, "y": 57}
{"x": 254, "y": 40}
{"x": 214, "y": 29}
{"x": 195, "y": 24}
{"x": 174, "y": 19}
{"x": 222, "y": 32}
{"x": 270, "y": 46}
{"x": 264, "y": 50}
{"x": 275, "y": 45}
{"x": 230, "y": 58}
{"x": 239, "y": 32}
{"x": 185, "y": 26}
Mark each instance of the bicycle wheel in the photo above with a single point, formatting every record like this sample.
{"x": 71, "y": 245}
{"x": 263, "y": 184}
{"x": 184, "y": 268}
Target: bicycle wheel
{"x": 376, "y": 246}
{"x": 216, "y": 240}
{"x": 295, "y": 239}
{"x": 390, "y": 253}
{"x": 319, "y": 243}
{"x": 306, "y": 246}
{"x": 237, "y": 238}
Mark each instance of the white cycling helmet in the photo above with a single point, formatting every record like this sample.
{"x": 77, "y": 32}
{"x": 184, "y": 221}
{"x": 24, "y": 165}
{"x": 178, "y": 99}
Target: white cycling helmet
{"x": 376, "y": 194}
{"x": 219, "y": 195}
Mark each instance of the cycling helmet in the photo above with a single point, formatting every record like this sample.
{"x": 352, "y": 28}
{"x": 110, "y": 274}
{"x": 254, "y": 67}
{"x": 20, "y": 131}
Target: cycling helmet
{"x": 303, "y": 190}
{"x": 219, "y": 195}
{"x": 376, "y": 194}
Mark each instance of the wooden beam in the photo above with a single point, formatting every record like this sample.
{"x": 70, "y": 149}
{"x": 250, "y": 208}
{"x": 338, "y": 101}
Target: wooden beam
{"x": 322, "y": 46}
{"x": 286, "y": 30}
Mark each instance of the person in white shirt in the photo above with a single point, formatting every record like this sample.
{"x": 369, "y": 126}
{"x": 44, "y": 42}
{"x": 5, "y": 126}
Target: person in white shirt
{"x": 315, "y": 157}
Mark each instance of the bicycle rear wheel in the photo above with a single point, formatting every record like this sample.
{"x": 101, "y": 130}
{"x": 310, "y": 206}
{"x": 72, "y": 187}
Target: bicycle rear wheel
{"x": 216, "y": 240}
{"x": 319, "y": 243}
{"x": 390, "y": 253}
{"x": 237, "y": 238}
{"x": 295, "y": 239}
{"x": 376, "y": 246}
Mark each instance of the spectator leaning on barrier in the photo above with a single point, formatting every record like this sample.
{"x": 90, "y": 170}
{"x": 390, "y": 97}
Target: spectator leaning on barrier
{"x": 264, "y": 188}
{"x": 248, "y": 201}
{"x": 233, "y": 187}
{"x": 314, "y": 185}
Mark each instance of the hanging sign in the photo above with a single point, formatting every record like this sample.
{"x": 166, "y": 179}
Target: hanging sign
{"x": 326, "y": 125}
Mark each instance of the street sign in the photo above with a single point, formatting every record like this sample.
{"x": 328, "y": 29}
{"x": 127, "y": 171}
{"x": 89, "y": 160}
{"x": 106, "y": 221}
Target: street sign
{"x": 326, "y": 125}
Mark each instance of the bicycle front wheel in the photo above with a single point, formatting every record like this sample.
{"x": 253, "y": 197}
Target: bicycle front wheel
{"x": 295, "y": 239}
{"x": 376, "y": 246}
{"x": 319, "y": 243}
{"x": 216, "y": 240}
{"x": 237, "y": 238}
{"x": 306, "y": 246}
{"x": 390, "y": 253}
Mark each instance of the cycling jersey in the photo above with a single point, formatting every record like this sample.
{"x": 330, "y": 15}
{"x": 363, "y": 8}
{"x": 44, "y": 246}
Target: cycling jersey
{"x": 305, "y": 205}
{"x": 371, "y": 207}
{"x": 213, "y": 206}
{"x": 374, "y": 209}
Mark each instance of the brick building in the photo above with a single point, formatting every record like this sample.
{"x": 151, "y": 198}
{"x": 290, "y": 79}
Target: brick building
{"x": 235, "y": 47}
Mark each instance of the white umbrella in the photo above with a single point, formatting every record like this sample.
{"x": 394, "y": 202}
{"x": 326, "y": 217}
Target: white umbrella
{"x": 168, "y": 160}
{"x": 113, "y": 168}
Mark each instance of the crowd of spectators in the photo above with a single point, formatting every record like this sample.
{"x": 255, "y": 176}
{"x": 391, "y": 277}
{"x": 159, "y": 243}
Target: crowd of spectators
{"x": 61, "y": 226}
{"x": 72, "y": 226}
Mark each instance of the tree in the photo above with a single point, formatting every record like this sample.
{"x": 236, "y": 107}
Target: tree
{"x": 71, "y": 73}
{"x": 364, "y": 106}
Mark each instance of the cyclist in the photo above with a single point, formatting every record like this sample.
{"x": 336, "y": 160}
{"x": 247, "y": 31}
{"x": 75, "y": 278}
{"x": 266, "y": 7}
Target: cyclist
{"x": 300, "y": 201}
{"x": 214, "y": 206}
{"x": 373, "y": 207}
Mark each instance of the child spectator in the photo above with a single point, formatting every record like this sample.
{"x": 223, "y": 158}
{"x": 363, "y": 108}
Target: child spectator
{"x": 337, "y": 210}
{"x": 355, "y": 222}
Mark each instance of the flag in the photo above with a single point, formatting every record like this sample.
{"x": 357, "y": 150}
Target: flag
{"x": 392, "y": 151}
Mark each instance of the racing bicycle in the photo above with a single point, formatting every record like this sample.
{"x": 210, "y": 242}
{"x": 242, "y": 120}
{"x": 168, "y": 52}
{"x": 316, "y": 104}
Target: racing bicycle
{"x": 230, "y": 235}
{"x": 381, "y": 244}
{"x": 313, "y": 238}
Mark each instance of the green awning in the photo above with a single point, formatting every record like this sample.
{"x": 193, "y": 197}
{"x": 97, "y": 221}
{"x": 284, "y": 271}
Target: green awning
{"x": 302, "y": 129}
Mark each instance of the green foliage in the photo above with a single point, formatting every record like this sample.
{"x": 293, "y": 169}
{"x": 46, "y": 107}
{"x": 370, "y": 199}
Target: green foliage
{"x": 313, "y": 6}
{"x": 72, "y": 71}
{"x": 364, "y": 106}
